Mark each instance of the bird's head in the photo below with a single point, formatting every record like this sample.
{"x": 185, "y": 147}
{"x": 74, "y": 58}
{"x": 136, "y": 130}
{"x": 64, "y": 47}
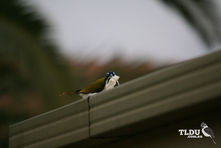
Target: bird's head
{"x": 203, "y": 125}
{"x": 111, "y": 75}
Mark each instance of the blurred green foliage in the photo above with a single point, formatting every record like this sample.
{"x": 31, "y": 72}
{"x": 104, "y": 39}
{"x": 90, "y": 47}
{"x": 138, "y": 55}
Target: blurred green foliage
{"x": 33, "y": 73}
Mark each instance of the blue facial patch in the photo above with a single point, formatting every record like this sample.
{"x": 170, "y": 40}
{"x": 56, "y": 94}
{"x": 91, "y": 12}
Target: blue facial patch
{"x": 108, "y": 73}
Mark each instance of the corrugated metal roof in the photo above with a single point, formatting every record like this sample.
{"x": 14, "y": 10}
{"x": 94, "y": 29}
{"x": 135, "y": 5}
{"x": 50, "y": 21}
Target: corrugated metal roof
{"x": 167, "y": 90}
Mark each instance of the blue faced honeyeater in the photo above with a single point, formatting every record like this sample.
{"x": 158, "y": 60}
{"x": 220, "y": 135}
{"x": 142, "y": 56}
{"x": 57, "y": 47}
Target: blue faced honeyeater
{"x": 108, "y": 82}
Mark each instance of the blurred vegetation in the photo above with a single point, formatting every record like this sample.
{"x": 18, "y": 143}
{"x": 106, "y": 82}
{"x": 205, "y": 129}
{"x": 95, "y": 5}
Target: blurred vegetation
{"x": 93, "y": 70}
{"x": 33, "y": 73}
{"x": 202, "y": 15}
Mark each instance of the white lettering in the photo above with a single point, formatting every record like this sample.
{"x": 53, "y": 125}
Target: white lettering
{"x": 181, "y": 131}
{"x": 191, "y": 132}
{"x": 197, "y": 132}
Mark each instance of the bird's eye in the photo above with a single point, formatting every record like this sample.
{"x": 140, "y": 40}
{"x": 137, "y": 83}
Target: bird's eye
{"x": 113, "y": 73}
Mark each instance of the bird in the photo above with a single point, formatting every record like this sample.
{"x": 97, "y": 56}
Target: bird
{"x": 105, "y": 83}
{"x": 207, "y": 132}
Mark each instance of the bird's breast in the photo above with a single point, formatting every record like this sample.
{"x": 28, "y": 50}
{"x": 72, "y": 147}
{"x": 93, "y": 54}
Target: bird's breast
{"x": 205, "y": 133}
{"x": 110, "y": 84}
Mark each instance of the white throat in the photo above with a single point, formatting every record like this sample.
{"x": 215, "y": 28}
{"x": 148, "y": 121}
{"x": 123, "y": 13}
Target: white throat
{"x": 205, "y": 127}
{"x": 112, "y": 82}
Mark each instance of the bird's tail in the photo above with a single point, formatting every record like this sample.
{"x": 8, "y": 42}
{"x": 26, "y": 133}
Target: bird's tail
{"x": 213, "y": 140}
{"x": 69, "y": 93}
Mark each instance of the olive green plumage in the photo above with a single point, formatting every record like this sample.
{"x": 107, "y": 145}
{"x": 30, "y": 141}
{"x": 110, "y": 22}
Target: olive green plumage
{"x": 105, "y": 83}
{"x": 93, "y": 87}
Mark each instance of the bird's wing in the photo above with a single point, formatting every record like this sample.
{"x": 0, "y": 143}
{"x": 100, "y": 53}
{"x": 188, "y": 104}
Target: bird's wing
{"x": 94, "y": 87}
{"x": 209, "y": 131}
